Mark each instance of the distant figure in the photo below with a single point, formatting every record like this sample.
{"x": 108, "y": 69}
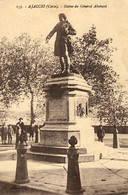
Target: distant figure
{"x": 100, "y": 133}
{"x": 10, "y": 133}
{"x": 31, "y": 131}
{"x": 115, "y": 137}
{"x": 4, "y": 133}
{"x": 21, "y": 135}
{"x": 36, "y": 133}
{"x": 63, "y": 47}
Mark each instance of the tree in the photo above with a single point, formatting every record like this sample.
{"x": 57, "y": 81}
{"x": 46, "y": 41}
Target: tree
{"x": 35, "y": 65}
{"x": 27, "y": 64}
{"x": 8, "y": 78}
{"x": 118, "y": 111}
{"x": 115, "y": 111}
{"x": 92, "y": 57}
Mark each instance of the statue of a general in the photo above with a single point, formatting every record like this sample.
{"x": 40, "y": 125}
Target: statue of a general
{"x": 63, "y": 47}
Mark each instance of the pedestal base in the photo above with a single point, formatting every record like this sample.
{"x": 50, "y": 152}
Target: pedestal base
{"x": 66, "y": 116}
{"x": 59, "y": 154}
{"x": 57, "y": 138}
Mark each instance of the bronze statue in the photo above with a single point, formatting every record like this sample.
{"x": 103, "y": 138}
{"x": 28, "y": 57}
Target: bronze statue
{"x": 63, "y": 47}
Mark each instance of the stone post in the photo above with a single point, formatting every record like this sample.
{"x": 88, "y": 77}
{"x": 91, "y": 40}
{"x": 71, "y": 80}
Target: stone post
{"x": 21, "y": 169}
{"x": 73, "y": 177}
{"x": 115, "y": 138}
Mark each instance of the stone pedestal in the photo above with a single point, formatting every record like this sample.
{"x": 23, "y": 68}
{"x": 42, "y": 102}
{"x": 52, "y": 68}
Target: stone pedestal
{"x": 67, "y": 112}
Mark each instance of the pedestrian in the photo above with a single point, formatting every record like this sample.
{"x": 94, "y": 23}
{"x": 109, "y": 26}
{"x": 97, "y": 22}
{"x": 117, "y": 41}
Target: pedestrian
{"x": 21, "y": 134}
{"x": 2, "y": 133}
{"x": 36, "y": 133}
{"x": 31, "y": 131}
{"x": 115, "y": 137}
{"x": 10, "y": 133}
{"x": 100, "y": 133}
{"x": 63, "y": 47}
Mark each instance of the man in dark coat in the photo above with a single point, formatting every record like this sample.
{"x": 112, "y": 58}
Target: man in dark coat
{"x": 100, "y": 133}
{"x": 63, "y": 47}
{"x": 21, "y": 134}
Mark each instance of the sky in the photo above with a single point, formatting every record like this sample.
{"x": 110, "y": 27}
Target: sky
{"x": 18, "y": 16}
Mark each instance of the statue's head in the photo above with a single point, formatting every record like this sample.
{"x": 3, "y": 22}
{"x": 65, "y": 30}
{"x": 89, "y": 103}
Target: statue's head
{"x": 62, "y": 17}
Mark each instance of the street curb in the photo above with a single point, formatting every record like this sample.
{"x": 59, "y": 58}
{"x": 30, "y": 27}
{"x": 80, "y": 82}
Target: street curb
{"x": 11, "y": 185}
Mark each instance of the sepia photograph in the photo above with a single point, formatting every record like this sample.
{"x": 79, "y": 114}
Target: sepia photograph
{"x": 63, "y": 97}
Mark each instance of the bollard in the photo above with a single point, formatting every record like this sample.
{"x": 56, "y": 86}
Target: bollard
{"x": 115, "y": 138}
{"x": 21, "y": 169}
{"x": 73, "y": 175}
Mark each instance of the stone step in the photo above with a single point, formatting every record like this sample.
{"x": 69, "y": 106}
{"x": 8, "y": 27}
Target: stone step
{"x": 54, "y": 150}
{"x": 57, "y": 158}
{"x": 94, "y": 152}
{"x": 59, "y": 154}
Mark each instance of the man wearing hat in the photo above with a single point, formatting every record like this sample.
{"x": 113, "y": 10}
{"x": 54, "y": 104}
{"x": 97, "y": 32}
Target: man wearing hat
{"x": 100, "y": 133}
{"x": 20, "y": 130}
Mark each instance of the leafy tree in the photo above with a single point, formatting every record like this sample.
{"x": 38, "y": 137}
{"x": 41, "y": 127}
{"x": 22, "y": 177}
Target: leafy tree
{"x": 92, "y": 57}
{"x": 115, "y": 111}
{"x": 8, "y": 79}
{"x": 119, "y": 110}
{"x": 27, "y": 64}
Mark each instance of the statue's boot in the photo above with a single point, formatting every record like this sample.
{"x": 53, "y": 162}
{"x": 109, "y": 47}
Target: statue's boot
{"x": 62, "y": 68}
{"x": 67, "y": 68}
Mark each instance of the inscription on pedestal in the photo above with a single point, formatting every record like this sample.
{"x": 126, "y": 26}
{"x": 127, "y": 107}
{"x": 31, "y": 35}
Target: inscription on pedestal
{"x": 57, "y": 109}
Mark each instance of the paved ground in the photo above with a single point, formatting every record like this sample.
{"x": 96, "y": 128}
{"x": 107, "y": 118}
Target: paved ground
{"x": 106, "y": 176}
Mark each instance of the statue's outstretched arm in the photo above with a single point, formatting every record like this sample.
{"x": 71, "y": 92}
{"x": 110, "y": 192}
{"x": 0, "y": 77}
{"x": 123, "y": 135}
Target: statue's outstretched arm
{"x": 51, "y": 33}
